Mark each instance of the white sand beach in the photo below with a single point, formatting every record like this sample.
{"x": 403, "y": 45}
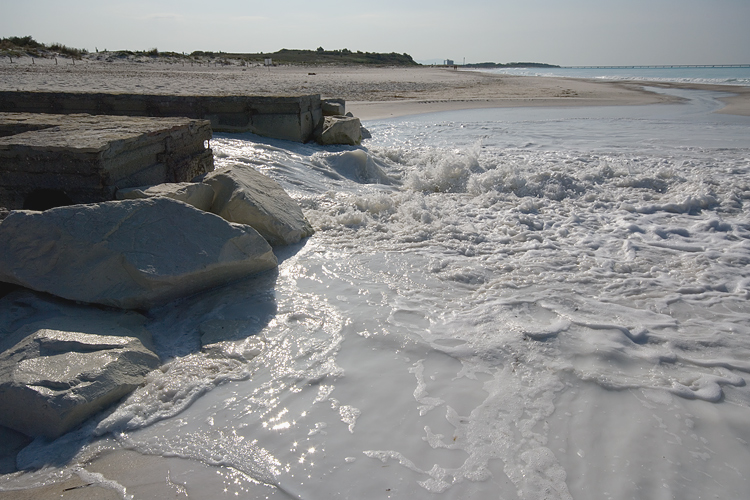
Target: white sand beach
{"x": 370, "y": 92}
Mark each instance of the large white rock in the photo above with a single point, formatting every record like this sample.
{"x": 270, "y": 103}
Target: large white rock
{"x": 245, "y": 196}
{"x": 197, "y": 194}
{"x": 61, "y": 363}
{"x": 133, "y": 254}
{"x": 341, "y": 130}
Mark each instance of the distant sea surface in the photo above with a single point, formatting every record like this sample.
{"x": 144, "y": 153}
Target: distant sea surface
{"x": 717, "y": 76}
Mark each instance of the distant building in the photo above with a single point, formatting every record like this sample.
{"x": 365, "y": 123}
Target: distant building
{"x": 449, "y": 62}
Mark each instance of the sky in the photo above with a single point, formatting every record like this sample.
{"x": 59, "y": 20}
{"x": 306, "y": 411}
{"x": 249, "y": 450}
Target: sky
{"x": 567, "y": 33}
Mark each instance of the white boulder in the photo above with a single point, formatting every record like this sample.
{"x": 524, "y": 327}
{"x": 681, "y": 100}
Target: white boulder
{"x": 196, "y": 194}
{"x": 132, "y": 254}
{"x": 341, "y": 130}
{"x": 245, "y": 196}
{"x": 61, "y": 363}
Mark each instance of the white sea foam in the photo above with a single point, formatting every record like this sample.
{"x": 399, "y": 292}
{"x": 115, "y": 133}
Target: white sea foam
{"x": 497, "y": 304}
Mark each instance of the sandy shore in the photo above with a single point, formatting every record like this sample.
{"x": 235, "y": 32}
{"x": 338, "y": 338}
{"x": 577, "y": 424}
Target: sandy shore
{"x": 371, "y": 93}
{"x": 738, "y": 103}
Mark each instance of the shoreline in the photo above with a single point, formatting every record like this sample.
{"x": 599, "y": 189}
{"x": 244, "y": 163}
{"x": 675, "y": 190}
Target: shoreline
{"x": 737, "y": 103}
{"x": 371, "y": 93}
{"x": 603, "y": 93}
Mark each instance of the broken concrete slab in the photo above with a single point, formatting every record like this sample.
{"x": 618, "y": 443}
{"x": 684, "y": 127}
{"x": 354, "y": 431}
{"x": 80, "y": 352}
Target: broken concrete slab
{"x": 131, "y": 254}
{"x": 53, "y": 160}
{"x": 61, "y": 363}
{"x": 246, "y": 196}
{"x": 293, "y": 118}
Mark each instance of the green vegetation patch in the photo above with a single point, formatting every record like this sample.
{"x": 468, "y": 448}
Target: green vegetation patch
{"x": 319, "y": 56}
{"x": 18, "y": 46}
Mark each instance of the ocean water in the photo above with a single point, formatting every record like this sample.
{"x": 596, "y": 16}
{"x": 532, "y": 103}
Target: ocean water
{"x": 497, "y": 304}
{"x": 718, "y": 76}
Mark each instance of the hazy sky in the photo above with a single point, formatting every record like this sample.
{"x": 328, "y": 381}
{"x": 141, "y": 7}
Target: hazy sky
{"x": 570, "y": 32}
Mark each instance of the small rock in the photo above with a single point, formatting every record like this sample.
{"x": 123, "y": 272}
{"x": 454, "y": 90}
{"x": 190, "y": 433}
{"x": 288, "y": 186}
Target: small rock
{"x": 333, "y": 107}
{"x": 61, "y": 363}
{"x": 245, "y": 196}
{"x": 341, "y": 130}
{"x": 365, "y": 133}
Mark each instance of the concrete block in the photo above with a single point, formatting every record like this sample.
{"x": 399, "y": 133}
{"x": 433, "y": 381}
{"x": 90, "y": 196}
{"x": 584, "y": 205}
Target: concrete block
{"x": 85, "y": 159}
{"x": 295, "y": 118}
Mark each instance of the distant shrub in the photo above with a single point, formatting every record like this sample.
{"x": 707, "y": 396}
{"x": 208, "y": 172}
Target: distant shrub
{"x": 67, "y": 51}
{"x": 23, "y": 42}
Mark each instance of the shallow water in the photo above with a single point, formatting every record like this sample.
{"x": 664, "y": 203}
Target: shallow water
{"x": 508, "y": 303}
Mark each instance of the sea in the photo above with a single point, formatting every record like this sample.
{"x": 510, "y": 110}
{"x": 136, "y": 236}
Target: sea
{"x": 521, "y": 303}
{"x": 717, "y": 75}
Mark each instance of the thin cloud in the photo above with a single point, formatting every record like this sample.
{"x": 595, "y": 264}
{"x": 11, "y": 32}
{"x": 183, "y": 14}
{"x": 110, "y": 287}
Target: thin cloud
{"x": 162, "y": 16}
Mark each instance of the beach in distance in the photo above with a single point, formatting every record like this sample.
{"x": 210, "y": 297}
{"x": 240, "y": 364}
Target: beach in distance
{"x": 519, "y": 287}
{"x": 371, "y": 92}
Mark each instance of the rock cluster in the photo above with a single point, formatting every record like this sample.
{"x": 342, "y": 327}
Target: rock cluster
{"x": 62, "y": 362}
{"x": 140, "y": 253}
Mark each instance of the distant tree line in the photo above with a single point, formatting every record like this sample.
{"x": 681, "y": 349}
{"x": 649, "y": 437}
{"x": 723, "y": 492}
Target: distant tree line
{"x": 26, "y": 46}
{"x": 322, "y": 56}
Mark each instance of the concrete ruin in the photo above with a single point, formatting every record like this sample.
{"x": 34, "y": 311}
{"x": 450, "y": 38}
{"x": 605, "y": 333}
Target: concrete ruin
{"x": 295, "y": 118}
{"x": 52, "y": 160}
